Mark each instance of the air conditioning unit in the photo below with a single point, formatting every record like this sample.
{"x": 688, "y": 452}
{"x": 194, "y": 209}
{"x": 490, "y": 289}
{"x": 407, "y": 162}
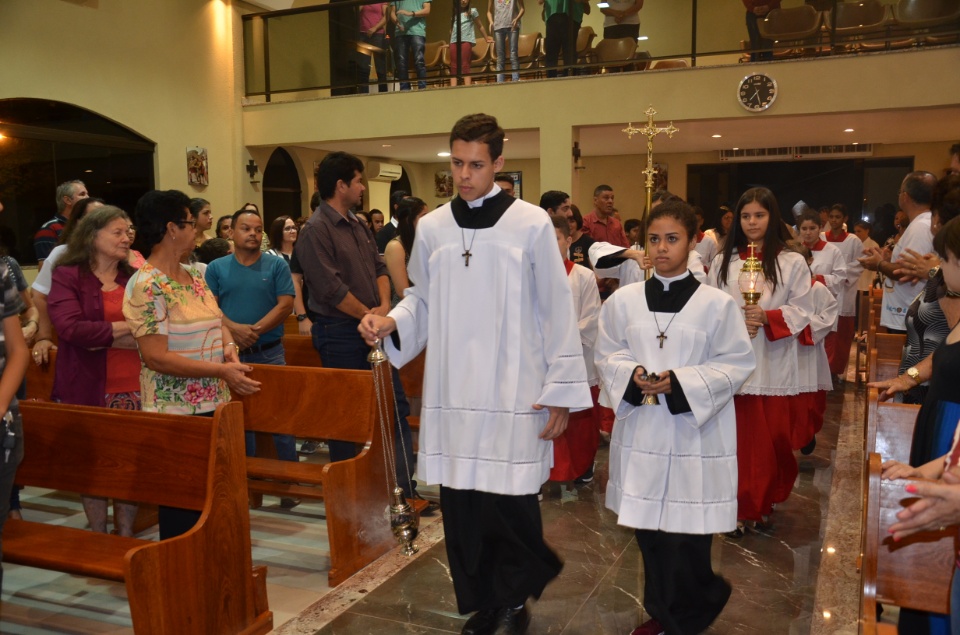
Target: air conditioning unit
{"x": 798, "y": 153}
{"x": 377, "y": 171}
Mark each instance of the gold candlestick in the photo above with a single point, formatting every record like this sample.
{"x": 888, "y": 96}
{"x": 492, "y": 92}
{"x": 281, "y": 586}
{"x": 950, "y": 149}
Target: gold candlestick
{"x": 751, "y": 278}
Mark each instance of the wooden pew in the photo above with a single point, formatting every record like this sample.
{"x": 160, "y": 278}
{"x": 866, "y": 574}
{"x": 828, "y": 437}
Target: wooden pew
{"x": 913, "y": 573}
{"x": 889, "y": 428}
{"x": 890, "y": 346}
{"x": 291, "y": 326}
{"x": 319, "y": 403}
{"x": 200, "y": 582}
{"x": 40, "y": 388}
{"x": 299, "y": 351}
{"x": 40, "y": 379}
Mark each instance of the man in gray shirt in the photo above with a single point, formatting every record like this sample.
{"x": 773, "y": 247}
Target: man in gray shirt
{"x": 347, "y": 279}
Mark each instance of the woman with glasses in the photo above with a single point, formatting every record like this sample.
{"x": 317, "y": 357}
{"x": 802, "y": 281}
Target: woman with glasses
{"x": 283, "y": 235}
{"x": 97, "y": 362}
{"x": 190, "y": 361}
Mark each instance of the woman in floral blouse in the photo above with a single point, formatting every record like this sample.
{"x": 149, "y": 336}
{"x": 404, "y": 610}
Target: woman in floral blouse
{"x": 190, "y": 362}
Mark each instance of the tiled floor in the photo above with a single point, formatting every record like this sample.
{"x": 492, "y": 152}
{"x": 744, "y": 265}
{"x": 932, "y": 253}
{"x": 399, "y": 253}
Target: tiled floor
{"x": 600, "y": 590}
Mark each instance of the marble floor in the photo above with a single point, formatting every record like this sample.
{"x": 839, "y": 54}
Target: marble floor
{"x": 774, "y": 576}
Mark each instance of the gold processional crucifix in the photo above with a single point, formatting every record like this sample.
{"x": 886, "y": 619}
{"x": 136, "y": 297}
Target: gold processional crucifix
{"x": 649, "y": 131}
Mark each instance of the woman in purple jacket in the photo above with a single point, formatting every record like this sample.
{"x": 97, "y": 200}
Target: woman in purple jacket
{"x": 97, "y": 360}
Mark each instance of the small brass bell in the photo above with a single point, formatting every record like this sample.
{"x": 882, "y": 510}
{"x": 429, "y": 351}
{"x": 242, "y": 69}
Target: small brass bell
{"x": 650, "y": 400}
{"x": 376, "y": 354}
{"x": 404, "y": 523}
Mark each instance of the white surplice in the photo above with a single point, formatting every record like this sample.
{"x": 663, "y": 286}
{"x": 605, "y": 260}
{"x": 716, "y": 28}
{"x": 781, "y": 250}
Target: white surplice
{"x": 586, "y": 306}
{"x": 813, "y": 365}
{"x": 828, "y": 262}
{"x": 852, "y": 249}
{"x": 675, "y": 473}
{"x": 502, "y": 337}
{"x": 776, "y": 373}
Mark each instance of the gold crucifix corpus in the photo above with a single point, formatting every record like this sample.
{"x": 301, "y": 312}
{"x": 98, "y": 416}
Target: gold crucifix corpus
{"x": 650, "y": 130}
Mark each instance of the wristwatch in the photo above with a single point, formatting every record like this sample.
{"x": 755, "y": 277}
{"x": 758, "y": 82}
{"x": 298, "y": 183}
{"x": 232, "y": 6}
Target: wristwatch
{"x": 301, "y": 317}
{"x": 933, "y": 272}
{"x": 914, "y": 374}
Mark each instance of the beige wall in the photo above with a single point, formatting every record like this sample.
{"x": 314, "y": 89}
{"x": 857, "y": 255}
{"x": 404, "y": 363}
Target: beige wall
{"x": 166, "y": 70}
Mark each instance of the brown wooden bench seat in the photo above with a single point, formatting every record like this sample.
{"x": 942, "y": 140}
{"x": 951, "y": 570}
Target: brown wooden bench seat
{"x": 324, "y": 403}
{"x": 201, "y": 582}
{"x": 913, "y": 573}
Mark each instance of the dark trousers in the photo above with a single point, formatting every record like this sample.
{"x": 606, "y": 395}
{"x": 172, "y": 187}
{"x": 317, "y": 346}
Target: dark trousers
{"x": 340, "y": 346}
{"x": 8, "y": 471}
{"x": 379, "y": 61}
{"x": 406, "y": 45}
{"x": 495, "y": 546}
{"x": 757, "y": 42}
{"x": 680, "y": 589}
{"x": 561, "y": 35}
{"x": 621, "y": 30}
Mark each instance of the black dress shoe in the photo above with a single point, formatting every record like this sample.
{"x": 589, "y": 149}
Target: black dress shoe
{"x": 481, "y": 623}
{"x": 513, "y": 621}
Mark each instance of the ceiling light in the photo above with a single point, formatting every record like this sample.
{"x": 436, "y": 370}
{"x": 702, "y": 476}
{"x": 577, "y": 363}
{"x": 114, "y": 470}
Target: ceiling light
{"x": 856, "y": 143}
{"x": 2, "y": 136}
{"x": 506, "y": 138}
{"x": 443, "y": 154}
{"x": 88, "y": 171}
{"x": 736, "y": 149}
{"x": 387, "y": 145}
{"x": 716, "y": 136}
{"x": 848, "y": 130}
{"x": 603, "y": 5}
{"x": 642, "y": 38}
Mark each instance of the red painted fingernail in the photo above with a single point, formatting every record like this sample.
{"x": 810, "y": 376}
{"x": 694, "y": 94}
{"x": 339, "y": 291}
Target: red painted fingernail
{"x": 911, "y": 488}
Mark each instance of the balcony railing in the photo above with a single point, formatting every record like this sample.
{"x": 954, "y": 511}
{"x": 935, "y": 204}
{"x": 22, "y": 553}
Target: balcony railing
{"x": 321, "y": 50}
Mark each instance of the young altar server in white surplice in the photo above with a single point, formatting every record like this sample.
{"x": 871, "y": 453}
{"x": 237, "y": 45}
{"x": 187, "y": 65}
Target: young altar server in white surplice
{"x": 828, "y": 261}
{"x": 504, "y": 367}
{"x": 813, "y": 366}
{"x": 575, "y": 450}
{"x": 765, "y": 419}
{"x": 673, "y": 466}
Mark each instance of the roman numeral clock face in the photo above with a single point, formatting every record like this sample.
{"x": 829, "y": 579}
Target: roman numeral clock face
{"x": 757, "y": 92}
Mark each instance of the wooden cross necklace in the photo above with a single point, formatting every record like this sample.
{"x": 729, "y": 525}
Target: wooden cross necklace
{"x": 466, "y": 250}
{"x": 663, "y": 333}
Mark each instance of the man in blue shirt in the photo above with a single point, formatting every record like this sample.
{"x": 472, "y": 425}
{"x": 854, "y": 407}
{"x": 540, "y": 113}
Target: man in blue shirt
{"x": 255, "y": 293}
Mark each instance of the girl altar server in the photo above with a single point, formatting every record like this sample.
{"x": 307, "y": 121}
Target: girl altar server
{"x": 838, "y": 346}
{"x": 575, "y": 450}
{"x": 815, "y": 379}
{"x": 765, "y": 421}
{"x": 673, "y": 464}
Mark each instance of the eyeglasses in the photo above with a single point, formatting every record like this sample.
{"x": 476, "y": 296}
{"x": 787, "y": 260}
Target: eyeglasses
{"x": 186, "y": 222}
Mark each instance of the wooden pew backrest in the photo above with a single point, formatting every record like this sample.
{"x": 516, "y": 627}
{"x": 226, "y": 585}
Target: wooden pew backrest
{"x": 347, "y": 399}
{"x": 152, "y": 463}
{"x": 913, "y": 573}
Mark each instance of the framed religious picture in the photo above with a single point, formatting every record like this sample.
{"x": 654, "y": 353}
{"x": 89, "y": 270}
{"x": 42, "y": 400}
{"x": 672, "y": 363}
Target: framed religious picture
{"x": 443, "y": 184}
{"x": 517, "y": 183}
{"x": 197, "y": 166}
{"x": 660, "y": 179}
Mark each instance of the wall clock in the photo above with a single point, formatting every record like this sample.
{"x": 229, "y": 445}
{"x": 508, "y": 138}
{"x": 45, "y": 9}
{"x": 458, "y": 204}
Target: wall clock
{"x": 757, "y": 92}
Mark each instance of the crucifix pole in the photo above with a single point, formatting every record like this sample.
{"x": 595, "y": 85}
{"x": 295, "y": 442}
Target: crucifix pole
{"x": 650, "y": 130}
